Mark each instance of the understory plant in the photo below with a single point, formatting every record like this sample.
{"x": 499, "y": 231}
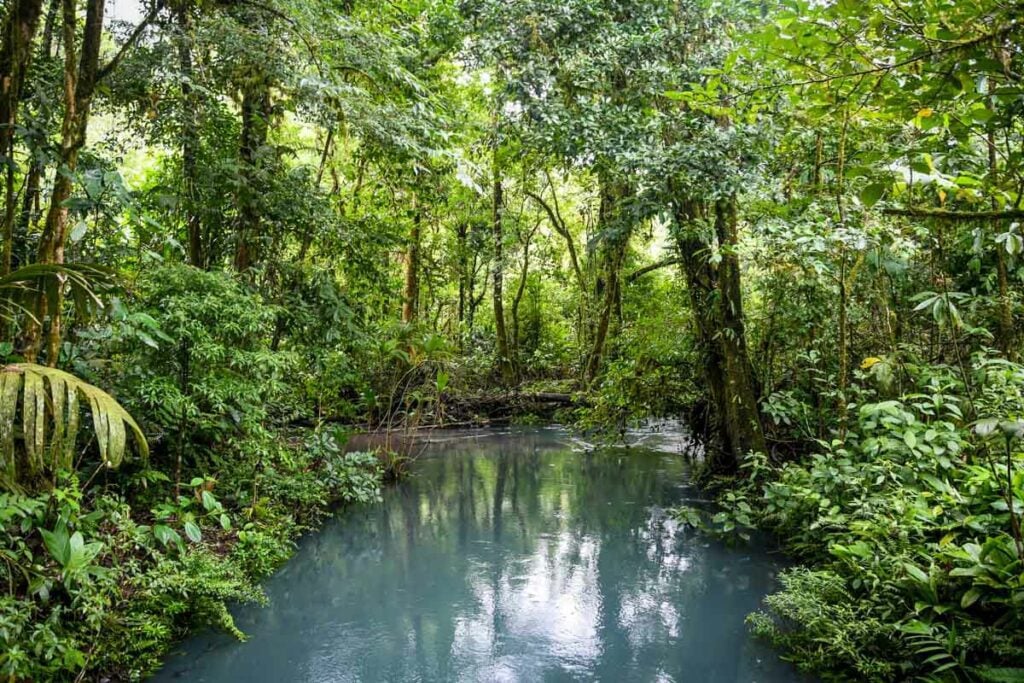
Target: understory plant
{"x": 909, "y": 530}
{"x": 92, "y": 582}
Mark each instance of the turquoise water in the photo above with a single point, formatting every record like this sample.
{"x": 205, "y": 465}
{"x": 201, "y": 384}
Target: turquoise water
{"x": 514, "y": 555}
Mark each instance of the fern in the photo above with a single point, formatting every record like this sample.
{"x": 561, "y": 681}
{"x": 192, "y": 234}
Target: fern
{"x": 50, "y": 404}
{"x": 935, "y": 655}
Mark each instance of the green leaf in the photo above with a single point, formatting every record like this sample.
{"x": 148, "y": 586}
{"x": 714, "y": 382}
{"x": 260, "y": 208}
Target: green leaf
{"x": 49, "y": 395}
{"x": 193, "y": 532}
{"x": 970, "y": 597}
{"x": 58, "y": 544}
{"x": 916, "y": 573}
{"x": 870, "y": 195}
{"x": 78, "y": 232}
{"x": 165, "y": 534}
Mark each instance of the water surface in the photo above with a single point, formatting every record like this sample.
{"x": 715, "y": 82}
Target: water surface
{"x": 509, "y": 555}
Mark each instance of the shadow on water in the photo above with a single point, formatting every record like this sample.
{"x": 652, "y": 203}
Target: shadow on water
{"x": 511, "y": 555}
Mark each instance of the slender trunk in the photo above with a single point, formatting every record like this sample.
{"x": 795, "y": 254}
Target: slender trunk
{"x": 411, "y": 293}
{"x": 19, "y": 29}
{"x": 844, "y": 362}
{"x": 1006, "y": 328}
{"x": 256, "y": 110}
{"x": 608, "y": 284}
{"x": 48, "y": 27}
{"x": 816, "y": 176}
{"x": 497, "y": 211}
{"x": 189, "y": 136}
{"x": 307, "y": 237}
{"x": 521, "y": 289}
{"x": 462, "y": 231}
{"x": 80, "y": 77}
{"x": 37, "y": 169}
{"x": 555, "y": 217}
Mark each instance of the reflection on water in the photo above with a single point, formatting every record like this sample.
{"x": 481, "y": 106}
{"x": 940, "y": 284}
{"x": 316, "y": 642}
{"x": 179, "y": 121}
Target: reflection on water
{"x": 507, "y": 556}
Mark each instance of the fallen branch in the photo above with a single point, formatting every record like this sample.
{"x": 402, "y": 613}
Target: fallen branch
{"x": 945, "y": 214}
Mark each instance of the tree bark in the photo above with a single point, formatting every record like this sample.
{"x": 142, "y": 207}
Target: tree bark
{"x": 747, "y": 434}
{"x": 497, "y": 211}
{"x": 521, "y": 289}
{"x": 1006, "y": 326}
{"x": 716, "y": 305}
{"x": 411, "y": 293}
{"x": 256, "y": 112}
{"x": 461, "y": 234}
{"x": 614, "y": 248}
{"x": 189, "y": 136}
{"x": 30, "y": 201}
{"x": 80, "y": 78}
{"x": 19, "y": 29}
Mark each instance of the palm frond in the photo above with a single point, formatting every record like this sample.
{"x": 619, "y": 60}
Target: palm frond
{"x": 20, "y": 289}
{"x": 50, "y": 400}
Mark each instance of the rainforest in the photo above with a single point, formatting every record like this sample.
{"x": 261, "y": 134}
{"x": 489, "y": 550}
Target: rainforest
{"x": 419, "y": 340}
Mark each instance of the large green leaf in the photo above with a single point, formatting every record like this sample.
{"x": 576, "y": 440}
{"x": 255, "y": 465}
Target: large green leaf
{"x": 49, "y": 400}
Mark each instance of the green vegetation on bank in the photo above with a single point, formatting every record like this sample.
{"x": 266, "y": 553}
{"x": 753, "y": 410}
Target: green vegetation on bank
{"x": 234, "y": 231}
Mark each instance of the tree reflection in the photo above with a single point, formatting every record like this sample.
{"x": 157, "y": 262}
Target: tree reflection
{"x": 516, "y": 558}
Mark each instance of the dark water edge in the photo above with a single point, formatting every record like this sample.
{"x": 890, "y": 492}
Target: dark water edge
{"x": 517, "y": 554}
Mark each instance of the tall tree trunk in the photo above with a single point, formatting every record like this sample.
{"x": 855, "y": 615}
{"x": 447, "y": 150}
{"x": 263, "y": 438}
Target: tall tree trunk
{"x": 616, "y": 241}
{"x": 256, "y": 112}
{"x": 37, "y": 168}
{"x": 411, "y": 293}
{"x": 80, "y": 77}
{"x": 19, "y": 29}
{"x": 1006, "y": 327}
{"x": 461, "y": 234}
{"x": 30, "y": 201}
{"x": 497, "y": 211}
{"x": 716, "y": 306}
{"x": 744, "y": 415}
{"x": 558, "y": 223}
{"x": 844, "y": 350}
{"x": 521, "y": 289}
{"x": 189, "y": 135}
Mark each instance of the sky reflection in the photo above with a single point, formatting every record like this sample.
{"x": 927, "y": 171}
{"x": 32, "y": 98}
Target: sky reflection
{"x": 508, "y": 557}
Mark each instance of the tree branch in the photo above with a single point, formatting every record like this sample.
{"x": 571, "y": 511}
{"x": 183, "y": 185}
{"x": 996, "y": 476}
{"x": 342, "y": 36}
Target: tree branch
{"x": 945, "y": 214}
{"x": 664, "y": 263}
{"x": 109, "y": 67}
{"x": 888, "y": 68}
{"x": 559, "y": 225}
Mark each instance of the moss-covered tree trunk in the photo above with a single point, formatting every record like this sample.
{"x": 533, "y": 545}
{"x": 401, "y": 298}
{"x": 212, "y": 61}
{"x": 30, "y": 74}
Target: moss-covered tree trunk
{"x": 615, "y": 236}
{"x": 716, "y": 303}
{"x": 498, "y": 293}
{"x": 80, "y": 78}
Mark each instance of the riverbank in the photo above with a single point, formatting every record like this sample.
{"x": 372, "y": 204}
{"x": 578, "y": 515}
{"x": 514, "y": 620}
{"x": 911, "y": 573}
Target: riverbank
{"x": 110, "y": 585}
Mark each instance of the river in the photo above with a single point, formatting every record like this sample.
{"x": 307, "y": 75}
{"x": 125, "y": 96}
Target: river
{"x": 515, "y": 554}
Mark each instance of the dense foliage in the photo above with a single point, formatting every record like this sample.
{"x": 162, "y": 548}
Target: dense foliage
{"x": 230, "y": 227}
